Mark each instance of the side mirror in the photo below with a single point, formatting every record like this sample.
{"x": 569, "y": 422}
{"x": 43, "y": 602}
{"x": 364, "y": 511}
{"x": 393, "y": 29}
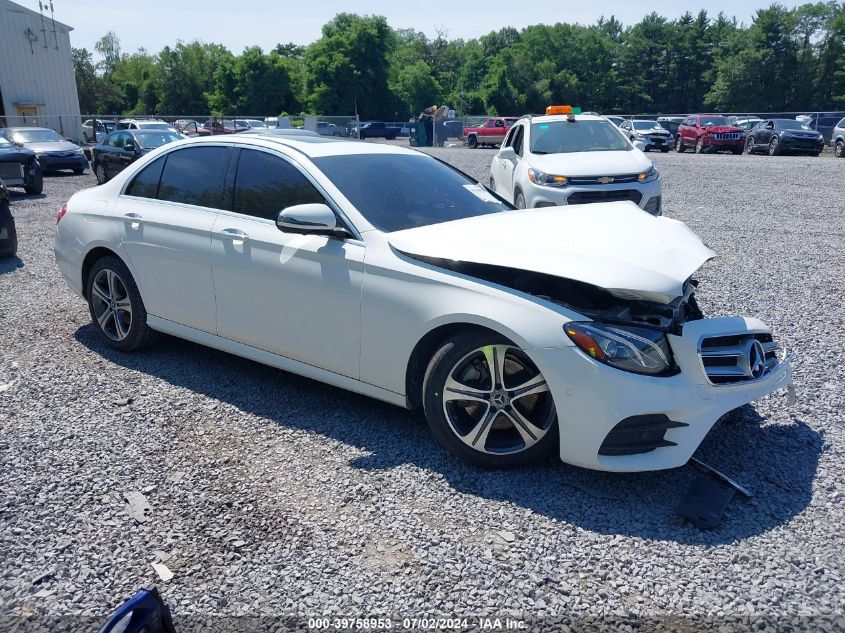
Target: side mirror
{"x": 508, "y": 153}
{"x": 130, "y": 146}
{"x": 309, "y": 219}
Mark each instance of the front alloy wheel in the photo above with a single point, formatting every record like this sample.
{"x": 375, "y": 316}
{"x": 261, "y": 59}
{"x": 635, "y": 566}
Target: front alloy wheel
{"x": 774, "y": 150}
{"x": 699, "y": 146}
{"x": 839, "y": 151}
{"x": 519, "y": 202}
{"x": 100, "y": 173}
{"x": 679, "y": 144}
{"x": 487, "y": 402}
{"x": 749, "y": 146}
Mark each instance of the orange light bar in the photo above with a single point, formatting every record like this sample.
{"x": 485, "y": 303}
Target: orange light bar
{"x": 558, "y": 109}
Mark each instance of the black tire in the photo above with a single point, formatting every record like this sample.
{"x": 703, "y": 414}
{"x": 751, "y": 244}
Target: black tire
{"x": 839, "y": 150}
{"x": 100, "y": 173}
{"x": 699, "y": 146}
{"x": 519, "y": 200}
{"x": 139, "y": 334}
{"x": 441, "y": 367}
{"x": 8, "y": 246}
{"x": 472, "y": 141}
{"x": 679, "y": 144}
{"x": 749, "y": 146}
{"x": 36, "y": 187}
{"x": 774, "y": 146}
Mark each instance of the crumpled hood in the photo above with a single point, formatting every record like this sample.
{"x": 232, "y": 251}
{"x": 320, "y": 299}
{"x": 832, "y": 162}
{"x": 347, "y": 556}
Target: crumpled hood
{"x": 15, "y": 155}
{"x": 612, "y": 245}
{"x": 591, "y": 164}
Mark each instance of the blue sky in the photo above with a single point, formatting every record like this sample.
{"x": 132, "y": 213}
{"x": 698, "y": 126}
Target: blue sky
{"x": 155, "y": 23}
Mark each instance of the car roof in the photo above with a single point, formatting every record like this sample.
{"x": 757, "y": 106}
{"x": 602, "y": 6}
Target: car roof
{"x": 310, "y": 146}
{"x": 562, "y": 117}
{"x": 26, "y": 129}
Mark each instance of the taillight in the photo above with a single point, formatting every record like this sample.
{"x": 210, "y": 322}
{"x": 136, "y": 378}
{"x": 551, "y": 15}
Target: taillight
{"x": 61, "y": 213}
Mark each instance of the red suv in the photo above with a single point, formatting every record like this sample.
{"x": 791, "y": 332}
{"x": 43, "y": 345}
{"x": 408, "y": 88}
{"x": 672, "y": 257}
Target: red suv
{"x": 709, "y": 133}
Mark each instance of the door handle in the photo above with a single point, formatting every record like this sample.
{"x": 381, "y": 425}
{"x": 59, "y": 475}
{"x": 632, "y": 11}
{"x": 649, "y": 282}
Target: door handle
{"x": 234, "y": 234}
{"x": 134, "y": 220}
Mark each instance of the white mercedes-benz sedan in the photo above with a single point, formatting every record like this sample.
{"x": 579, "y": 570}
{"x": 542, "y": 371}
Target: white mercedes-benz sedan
{"x": 387, "y": 272}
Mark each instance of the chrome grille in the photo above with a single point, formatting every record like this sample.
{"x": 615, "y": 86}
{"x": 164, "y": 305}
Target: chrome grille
{"x": 726, "y": 136}
{"x": 738, "y": 358}
{"x": 603, "y": 180}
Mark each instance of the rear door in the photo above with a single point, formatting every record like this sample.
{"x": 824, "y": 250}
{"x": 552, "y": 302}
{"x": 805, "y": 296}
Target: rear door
{"x": 164, "y": 220}
{"x": 295, "y": 295}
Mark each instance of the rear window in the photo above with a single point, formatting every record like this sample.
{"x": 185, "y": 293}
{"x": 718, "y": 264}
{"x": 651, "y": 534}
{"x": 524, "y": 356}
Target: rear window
{"x": 195, "y": 176}
{"x": 145, "y": 184}
{"x": 563, "y": 137}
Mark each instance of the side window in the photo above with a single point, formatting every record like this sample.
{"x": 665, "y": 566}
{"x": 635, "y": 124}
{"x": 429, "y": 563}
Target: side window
{"x": 490, "y": 123}
{"x": 120, "y": 139}
{"x": 500, "y": 123}
{"x": 517, "y": 139}
{"x": 509, "y": 137}
{"x": 195, "y": 175}
{"x": 111, "y": 140}
{"x": 145, "y": 184}
{"x": 266, "y": 184}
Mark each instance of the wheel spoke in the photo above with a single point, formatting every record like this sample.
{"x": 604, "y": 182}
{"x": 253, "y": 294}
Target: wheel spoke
{"x": 454, "y": 390}
{"x": 113, "y": 281}
{"x": 495, "y": 357}
{"x": 526, "y": 429}
{"x": 102, "y": 296}
{"x": 529, "y": 388}
{"x": 119, "y": 328}
{"x": 104, "y": 318}
{"x": 477, "y": 437}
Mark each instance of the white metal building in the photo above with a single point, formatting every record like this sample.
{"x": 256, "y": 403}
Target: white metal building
{"x": 37, "y": 82}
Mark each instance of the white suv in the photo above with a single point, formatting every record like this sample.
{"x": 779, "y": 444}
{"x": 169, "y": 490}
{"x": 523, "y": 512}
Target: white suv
{"x": 546, "y": 161}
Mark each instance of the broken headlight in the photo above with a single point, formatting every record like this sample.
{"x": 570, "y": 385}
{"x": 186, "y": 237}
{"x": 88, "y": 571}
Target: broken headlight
{"x": 635, "y": 349}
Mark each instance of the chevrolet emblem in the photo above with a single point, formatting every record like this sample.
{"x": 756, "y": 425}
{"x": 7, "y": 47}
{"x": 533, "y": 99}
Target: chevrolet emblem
{"x": 605, "y": 180}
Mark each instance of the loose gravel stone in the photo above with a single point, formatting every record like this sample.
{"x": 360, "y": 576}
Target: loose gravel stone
{"x": 276, "y": 495}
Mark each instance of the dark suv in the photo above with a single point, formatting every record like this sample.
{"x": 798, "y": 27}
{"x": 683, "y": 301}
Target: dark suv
{"x": 709, "y": 133}
{"x": 376, "y": 129}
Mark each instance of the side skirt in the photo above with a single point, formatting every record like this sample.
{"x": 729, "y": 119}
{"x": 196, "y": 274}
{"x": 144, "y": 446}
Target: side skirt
{"x": 274, "y": 360}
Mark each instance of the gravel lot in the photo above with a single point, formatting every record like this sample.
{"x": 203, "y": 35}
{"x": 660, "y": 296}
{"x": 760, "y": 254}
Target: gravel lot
{"x": 276, "y": 495}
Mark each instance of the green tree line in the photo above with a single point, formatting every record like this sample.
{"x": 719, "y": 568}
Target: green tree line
{"x": 784, "y": 60}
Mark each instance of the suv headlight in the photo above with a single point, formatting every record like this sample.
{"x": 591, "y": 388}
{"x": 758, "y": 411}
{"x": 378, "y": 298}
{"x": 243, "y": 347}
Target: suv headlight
{"x": 542, "y": 178}
{"x": 636, "y": 349}
{"x": 649, "y": 175}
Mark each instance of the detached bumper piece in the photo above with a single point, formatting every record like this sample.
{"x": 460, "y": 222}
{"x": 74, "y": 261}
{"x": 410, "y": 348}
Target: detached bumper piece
{"x": 639, "y": 434}
{"x": 708, "y": 498}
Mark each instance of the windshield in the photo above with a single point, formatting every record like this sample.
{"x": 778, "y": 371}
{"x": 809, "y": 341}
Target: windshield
{"x": 396, "y": 191}
{"x": 562, "y": 137}
{"x": 37, "y": 136}
{"x": 149, "y": 140}
{"x": 154, "y": 126}
{"x": 715, "y": 121}
{"x": 647, "y": 125}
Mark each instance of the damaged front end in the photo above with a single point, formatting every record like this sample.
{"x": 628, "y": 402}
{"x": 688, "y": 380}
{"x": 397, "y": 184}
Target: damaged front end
{"x": 591, "y": 301}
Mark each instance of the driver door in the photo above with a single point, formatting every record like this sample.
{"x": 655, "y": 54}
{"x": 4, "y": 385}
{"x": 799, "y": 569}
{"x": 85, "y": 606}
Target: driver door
{"x": 295, "y": 295}
{"x": 507, "y": 166}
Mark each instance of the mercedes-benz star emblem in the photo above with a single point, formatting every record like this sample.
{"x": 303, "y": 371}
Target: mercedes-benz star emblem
{"x": 756, "y": 358}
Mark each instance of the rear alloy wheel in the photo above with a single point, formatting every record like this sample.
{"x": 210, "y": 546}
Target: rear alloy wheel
{"x": 774, "y": 146}
{"x": 699, "y": 146}
{"x": 100, "y": 173}
{"x": 679, "y": 144}
{"x": 487, "y": 402}
{"x": 839, "y": 150}
{"x": 116, "y": 307}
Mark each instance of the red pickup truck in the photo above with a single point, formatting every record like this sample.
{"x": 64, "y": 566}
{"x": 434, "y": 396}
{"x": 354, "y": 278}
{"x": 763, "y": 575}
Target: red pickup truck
{"x": 491, "y": 133}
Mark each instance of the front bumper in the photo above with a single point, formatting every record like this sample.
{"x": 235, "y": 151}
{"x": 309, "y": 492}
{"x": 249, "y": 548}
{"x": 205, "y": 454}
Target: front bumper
{"x": 712, "y": 144}
{"x": 592, "y": 398}
{"x": 77, "y": 161}
{"x": 649, "y": 194}
{"x": 658, "y": 142}
{"x": 801, "y": 145}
